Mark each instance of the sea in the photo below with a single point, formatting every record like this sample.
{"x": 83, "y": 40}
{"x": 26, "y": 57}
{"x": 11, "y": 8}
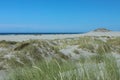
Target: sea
{"x": 54, "y": 33}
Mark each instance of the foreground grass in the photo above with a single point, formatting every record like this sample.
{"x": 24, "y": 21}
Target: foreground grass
{"x": 42, "y": 71}
{"x": 85, "y": 69}
{"x": 27, "y": 59}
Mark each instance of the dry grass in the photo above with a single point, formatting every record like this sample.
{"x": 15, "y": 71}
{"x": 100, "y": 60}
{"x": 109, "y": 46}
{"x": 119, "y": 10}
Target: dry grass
{"x": 31, "y": 51}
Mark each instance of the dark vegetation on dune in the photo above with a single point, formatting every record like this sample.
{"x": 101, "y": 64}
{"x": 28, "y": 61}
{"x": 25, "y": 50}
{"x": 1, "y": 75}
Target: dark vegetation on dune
{"x": 102, "y": 30}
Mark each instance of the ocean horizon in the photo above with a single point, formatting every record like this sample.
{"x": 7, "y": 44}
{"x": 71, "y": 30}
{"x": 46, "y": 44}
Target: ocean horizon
{"x": 40, "y": 33}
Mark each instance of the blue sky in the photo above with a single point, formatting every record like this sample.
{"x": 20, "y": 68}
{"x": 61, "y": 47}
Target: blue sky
{"x": 58, "y": 15}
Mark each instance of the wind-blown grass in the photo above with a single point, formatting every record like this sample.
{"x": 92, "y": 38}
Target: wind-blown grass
{"x": 55, "y": 70}
{"x": 30, "y": 60}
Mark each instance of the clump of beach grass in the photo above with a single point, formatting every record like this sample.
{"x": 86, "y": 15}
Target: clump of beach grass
{"x": 76, "y": 51}
{"x": 54, "y": 70}
{"x": 5, "y": 44}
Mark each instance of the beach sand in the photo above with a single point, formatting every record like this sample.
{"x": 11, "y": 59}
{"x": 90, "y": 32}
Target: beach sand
{"x": 57, "y": 36}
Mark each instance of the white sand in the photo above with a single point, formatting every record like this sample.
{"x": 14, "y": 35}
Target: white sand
{"x": 115, "y": 34}
{"x": 60, "y": 36}
{"x": 2, "y": 75}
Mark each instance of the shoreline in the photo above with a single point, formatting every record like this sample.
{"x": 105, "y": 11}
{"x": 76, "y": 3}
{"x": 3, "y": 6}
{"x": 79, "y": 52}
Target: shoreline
{"x": 56, "y": 36}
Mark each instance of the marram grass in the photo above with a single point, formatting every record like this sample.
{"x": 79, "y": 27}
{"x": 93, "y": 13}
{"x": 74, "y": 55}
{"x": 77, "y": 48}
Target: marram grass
{"x": 108, "y": 69}
{"x": 99, "y": 67}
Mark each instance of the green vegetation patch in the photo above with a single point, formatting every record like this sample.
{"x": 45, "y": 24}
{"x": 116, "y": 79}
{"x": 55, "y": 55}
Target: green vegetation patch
{"x": 6, "y": 44}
